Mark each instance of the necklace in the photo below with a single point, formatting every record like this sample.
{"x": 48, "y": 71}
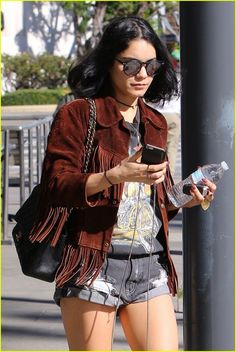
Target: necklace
{"x": 130, "y": 106}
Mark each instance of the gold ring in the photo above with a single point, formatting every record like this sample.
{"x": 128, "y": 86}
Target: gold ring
{"x": 205, "y": 204}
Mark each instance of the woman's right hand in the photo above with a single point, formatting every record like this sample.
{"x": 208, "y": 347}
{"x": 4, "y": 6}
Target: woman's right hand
{"x": 131, "y": 170}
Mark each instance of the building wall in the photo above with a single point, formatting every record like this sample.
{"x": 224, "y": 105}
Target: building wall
{"x": 36, "y": 27}
{"x": 13, "y": 19}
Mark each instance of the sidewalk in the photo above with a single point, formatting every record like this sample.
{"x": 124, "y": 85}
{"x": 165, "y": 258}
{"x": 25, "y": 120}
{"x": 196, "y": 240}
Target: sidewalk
{"x": 28, "y": 109}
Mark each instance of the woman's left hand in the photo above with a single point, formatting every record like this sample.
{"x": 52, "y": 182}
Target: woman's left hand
{"x": 197, "y": 196}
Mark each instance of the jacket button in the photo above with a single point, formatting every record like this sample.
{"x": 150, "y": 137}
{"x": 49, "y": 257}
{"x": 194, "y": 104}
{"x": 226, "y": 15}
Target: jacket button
{"x": 114, "y": 202}
{"x": 162, "y": 205}
{"x": 106, "y": 244}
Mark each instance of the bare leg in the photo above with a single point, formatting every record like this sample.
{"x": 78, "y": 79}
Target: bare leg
{"x": 88, "y": 326}
{"x": 162, "y": 327}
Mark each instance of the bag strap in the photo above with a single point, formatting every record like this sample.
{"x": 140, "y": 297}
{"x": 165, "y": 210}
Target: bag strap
{"x": 91, "y": 125}
{"x": 90, "y": 133}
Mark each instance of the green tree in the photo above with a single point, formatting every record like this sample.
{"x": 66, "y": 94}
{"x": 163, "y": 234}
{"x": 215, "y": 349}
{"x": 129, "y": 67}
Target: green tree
{"x": 89, "y": 18}
{"x": 25, "y": 71}
{"x": 88, "y": 23}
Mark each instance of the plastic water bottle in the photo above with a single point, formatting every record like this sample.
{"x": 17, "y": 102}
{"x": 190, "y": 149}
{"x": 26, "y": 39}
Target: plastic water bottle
{"x": 212, "y": 172}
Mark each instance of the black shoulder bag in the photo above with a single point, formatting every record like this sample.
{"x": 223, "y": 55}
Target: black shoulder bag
{"x": 40, "y": 259}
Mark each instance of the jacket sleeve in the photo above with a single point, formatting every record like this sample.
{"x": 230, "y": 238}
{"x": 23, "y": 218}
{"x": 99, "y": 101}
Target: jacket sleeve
{"x": 63, "y": 179}
{"x": 168, "y": 183}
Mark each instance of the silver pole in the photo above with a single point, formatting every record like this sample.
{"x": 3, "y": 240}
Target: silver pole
{"x": 5, "y": 185}
{"x": 30, "y": 148}
{"x": 207, "y": 113}
{"x": 39, "y": 154}
{"x": 22, "y": 167}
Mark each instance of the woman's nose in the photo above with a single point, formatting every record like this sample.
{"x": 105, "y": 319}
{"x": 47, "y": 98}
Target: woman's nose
{"x": 142, "y": 72}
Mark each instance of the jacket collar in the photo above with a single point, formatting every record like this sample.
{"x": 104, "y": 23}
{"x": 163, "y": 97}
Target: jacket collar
{"x": 149, "y": 114}
{"x": 108, "y": 113}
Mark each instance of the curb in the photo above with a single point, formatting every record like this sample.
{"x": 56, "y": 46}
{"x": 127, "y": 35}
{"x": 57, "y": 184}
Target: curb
{"x": 28, "y": 108}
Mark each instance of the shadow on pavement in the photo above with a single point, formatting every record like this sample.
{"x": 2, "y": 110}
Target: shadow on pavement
{"x": 38, "y": 332}
{"x": 33, "y": 316}
{"x": 30, "y": 300}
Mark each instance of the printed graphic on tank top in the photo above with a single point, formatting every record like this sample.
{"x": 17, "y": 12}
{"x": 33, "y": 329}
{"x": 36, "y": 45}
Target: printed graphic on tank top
{"x": 136, "y": 208}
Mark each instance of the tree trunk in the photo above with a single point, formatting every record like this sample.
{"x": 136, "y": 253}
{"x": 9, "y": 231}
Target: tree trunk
{"x": 97, "y": 30}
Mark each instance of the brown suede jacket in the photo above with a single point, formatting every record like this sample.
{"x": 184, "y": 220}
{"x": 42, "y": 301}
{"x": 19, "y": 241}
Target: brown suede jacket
{"x": 91, "y": 221}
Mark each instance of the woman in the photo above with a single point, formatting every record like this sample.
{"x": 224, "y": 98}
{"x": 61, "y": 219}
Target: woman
{"x": 117, "y": 256}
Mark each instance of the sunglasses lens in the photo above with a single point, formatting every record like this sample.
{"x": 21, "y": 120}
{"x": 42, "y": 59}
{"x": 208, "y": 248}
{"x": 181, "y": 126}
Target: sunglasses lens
{"x": 152, "y": 67}
{"x": 132, "y": 67}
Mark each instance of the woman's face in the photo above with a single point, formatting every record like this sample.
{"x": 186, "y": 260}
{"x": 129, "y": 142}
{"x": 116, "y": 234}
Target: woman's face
{"x": 132, "y": 87}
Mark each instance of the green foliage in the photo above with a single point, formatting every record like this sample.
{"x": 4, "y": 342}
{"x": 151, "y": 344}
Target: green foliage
{"x": 171, "y": 6}
{"x": 121, "y": 8}
{"x": 53, "y": 70}
{"x": 83, "y": 9}
{"x": 145, "y": 9}
{"x": 91, "y": 17}
{"x": 21, "y": 71}
{"x": 33, "y": 96}
{"x": 25, "y": 71}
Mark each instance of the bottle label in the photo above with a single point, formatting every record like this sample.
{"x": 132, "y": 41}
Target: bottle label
{"x": 197, "y": 176}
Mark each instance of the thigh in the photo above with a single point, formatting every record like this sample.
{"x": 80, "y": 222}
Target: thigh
{"x": 162, "y": 332}
{"x": 88, "y": 326}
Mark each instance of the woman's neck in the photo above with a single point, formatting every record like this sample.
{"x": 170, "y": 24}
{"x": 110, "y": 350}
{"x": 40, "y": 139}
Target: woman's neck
{"x": 126, "y": 105}
{"x": 126, "y": 102}
{"x": 128, "y": 115}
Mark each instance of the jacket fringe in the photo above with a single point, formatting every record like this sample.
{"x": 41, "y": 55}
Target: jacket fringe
{"x": 55, "y": 220}
{"x": 172, "y": 278}
{"x": 81, "y": 263}
{"x": 78, "y": 262}
{"x": 104, "y": 160}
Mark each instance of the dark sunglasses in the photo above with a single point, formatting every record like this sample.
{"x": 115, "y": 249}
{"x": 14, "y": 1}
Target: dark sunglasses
{"x": 132, "y": 67}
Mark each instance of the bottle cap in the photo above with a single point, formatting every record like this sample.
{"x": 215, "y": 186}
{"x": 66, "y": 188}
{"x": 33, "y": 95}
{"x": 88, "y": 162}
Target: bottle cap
{"x": 224, "y": 165}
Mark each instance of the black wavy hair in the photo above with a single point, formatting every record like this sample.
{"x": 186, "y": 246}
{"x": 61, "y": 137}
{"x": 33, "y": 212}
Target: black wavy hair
{"x": 90, "y": 77}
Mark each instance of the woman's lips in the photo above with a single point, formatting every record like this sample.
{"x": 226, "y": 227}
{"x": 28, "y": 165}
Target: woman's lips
{"x": 139, "y": 86}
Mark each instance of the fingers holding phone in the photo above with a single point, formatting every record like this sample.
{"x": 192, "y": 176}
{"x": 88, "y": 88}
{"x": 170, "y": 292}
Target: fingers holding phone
{"x": 147, "y": 165}
{"x": 156, "y": 173}
{"x": 154, "y": 157}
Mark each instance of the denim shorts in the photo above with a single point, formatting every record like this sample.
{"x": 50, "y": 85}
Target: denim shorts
{"x": 132, "y": 280}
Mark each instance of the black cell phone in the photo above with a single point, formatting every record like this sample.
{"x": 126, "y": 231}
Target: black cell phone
{"x": 202, "y": 189}
{"x": 152, "y": 155}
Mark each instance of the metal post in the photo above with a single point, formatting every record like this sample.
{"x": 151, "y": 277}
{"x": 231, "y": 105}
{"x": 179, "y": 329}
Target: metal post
{"x": 39, "y": 153}
{"x": 30, "y": 159}
{"x": 207, "y": 113}
{"x": 45, "y": 134}
{"x": 5, "y": 187}
{"x": 22, "y": 167}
